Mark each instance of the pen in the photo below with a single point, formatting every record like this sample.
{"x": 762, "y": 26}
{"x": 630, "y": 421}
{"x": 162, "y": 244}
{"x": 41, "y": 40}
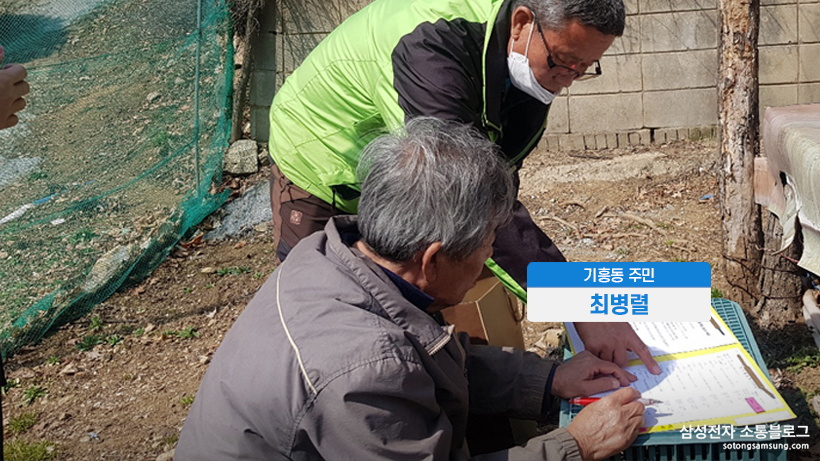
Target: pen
{"x": 715, "y": 324}
{"x": 584, "y": 401}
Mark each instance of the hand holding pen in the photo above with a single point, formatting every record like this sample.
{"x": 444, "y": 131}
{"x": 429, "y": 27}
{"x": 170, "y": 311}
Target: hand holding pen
{"x": 608, "y": 425}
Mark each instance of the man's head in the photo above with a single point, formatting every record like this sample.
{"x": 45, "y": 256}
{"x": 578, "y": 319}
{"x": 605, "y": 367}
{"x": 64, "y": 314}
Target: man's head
{"x": 566, "y": 37}
{"x": 432, "y": 196}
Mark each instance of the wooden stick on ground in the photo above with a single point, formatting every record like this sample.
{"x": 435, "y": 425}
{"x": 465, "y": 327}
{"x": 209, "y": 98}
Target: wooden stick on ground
{"x": 625, "y": 235}
{"x": 646, "y": 222}
{"x": 573, "y": 202}
{"x": 559, "y": 220}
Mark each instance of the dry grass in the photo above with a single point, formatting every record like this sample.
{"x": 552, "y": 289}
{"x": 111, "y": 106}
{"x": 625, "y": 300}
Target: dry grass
{"x": 243, "y": 13}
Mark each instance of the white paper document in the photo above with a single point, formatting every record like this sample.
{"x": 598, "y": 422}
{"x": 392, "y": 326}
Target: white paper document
{"x": 707, "y": 377}
{"x": 714, "y": 386}
{"x": 664, "y": 338}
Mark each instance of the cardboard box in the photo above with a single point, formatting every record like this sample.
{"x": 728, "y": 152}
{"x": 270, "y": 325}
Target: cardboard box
{"x": 489, "y": 313}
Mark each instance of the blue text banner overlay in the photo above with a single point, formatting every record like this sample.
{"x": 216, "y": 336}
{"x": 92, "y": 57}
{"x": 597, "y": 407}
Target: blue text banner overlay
{"x": 619, "y": 292}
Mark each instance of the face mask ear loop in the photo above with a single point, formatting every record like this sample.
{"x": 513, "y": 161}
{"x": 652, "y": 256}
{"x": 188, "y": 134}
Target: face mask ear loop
{"x": 529, "y": 39}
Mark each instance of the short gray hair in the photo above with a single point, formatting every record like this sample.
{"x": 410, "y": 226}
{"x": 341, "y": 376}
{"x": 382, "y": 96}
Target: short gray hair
{"x": 607, "y": 16}
{"x": 433, "y": 181}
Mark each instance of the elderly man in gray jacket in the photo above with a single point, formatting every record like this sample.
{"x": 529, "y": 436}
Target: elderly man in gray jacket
{"x": 342, "y": 353}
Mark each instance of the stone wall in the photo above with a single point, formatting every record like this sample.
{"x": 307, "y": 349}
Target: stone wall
{"x": 659, "y": 80}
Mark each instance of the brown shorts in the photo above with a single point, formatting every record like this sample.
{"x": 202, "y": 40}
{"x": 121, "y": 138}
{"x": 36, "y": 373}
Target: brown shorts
{"x": 296, "y": 212}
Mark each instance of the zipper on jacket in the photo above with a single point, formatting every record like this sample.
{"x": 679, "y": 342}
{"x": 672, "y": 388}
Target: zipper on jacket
{"x": 443, "y": 341}
{"x": 532, "y": 142}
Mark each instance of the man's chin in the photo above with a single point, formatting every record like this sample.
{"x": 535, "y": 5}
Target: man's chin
{"x": 558, "y": 88}
{"x": 438, "y": 306}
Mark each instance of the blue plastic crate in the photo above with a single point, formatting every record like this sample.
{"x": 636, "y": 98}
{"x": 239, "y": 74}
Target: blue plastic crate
{"x": 669, "y": 446}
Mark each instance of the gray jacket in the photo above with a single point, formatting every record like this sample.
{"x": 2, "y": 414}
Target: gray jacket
{"x": 329, "y": 361}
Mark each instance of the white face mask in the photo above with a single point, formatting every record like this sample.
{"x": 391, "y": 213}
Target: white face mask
{"x": 522, "y": 76}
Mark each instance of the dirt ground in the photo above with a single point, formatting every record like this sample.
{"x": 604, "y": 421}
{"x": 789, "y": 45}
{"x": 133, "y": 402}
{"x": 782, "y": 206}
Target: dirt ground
{"x": 127, "y": 398}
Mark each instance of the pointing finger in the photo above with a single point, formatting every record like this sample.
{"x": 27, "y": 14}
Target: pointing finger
{"x": 620, "y": 356}
{"x": 646, "y": 357}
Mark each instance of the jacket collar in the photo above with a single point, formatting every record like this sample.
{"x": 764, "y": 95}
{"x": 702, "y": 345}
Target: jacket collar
{"x": 389, "y": 299}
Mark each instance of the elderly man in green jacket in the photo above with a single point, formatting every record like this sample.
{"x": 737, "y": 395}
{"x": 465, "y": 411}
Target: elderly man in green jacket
{"x": 495, "y": 65}
{"x": 342, "y": 354}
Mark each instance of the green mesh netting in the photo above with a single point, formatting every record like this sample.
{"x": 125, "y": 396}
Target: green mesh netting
{"x": 116, "y": 155}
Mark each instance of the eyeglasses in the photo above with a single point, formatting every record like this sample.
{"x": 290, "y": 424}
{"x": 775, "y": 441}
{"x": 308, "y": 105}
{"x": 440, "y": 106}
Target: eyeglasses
{"x": 578, "y": 76}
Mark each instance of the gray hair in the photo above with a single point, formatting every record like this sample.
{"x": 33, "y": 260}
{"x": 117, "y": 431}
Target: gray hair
{"x": 433, "y": 181}
{"x": 607, "y": 16}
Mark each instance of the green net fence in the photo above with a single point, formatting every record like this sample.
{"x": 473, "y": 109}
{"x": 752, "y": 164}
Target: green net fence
{"x": 116, "y": 157}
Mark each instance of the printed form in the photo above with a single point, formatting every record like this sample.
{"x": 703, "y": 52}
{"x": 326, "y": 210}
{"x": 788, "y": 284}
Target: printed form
{"x": 664, "y": 338}
{"x": 707, "y": 377}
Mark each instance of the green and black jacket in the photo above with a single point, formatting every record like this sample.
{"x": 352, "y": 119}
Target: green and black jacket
{"x": 397, "y": 59}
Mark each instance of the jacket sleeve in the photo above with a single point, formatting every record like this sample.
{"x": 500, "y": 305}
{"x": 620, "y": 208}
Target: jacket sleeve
{"x": 506, "y": 380}
{"x": 557, "y": 445}
{"x": 517, "y": 244}
{"x": 437, "y": 72}
{"x": 360, "y": 415}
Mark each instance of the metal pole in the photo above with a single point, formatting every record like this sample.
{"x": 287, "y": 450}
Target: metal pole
{"x": 196, "y": 92}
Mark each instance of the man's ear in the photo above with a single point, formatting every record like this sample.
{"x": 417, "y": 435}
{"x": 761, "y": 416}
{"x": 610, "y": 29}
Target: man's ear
{"x": 431, "y": 262}
{"x": 521, "y": 16}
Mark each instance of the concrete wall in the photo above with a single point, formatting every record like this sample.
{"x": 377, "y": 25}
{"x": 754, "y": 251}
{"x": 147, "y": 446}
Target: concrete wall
{"x": 659, "y": 80}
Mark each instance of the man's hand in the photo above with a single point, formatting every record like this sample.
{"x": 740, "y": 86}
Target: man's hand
{"x": 586, "y": 374}
{"x": 609, "y": 425}
{"x": 12, "y": 89}
{"x": 610, "y": 341}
